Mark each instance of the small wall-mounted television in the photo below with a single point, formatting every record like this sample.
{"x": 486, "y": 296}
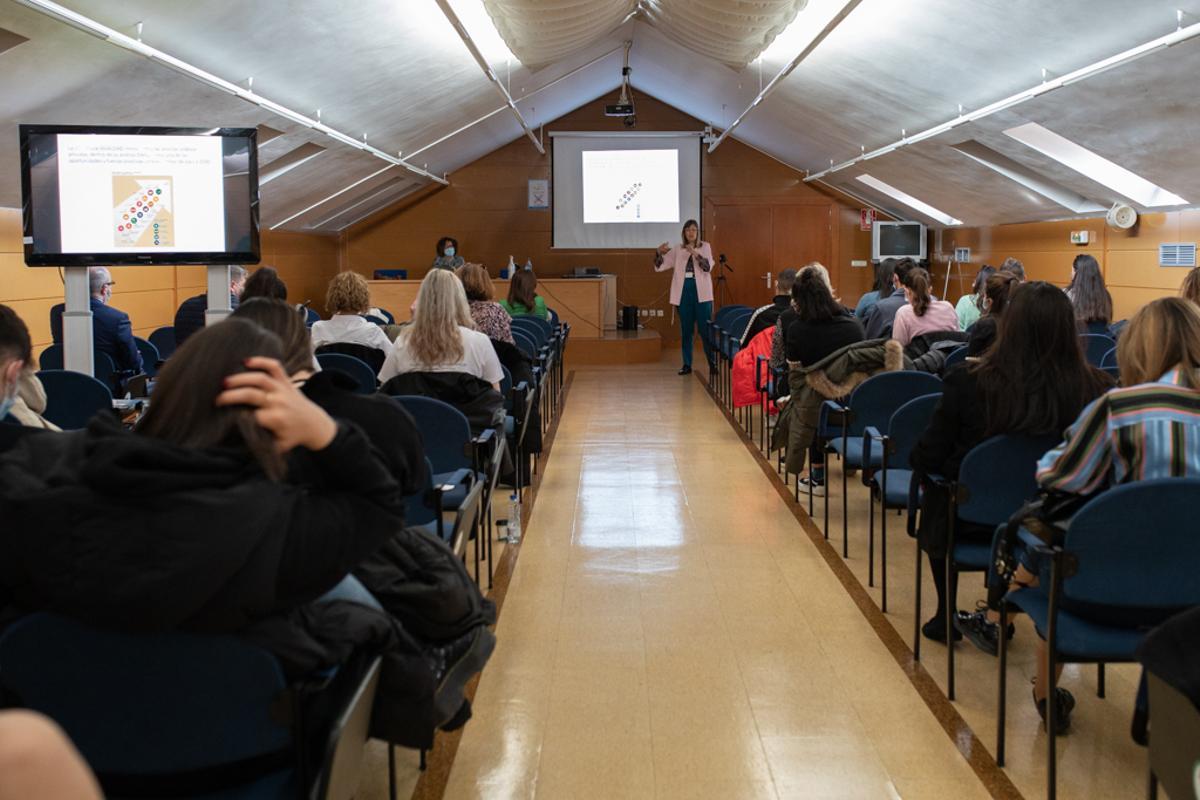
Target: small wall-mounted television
{"x": 898, "y": 240}
{"x": 136, "y": 195}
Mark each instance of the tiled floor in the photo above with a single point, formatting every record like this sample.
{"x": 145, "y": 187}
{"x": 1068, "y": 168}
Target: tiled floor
{"x": 670, "y": 631}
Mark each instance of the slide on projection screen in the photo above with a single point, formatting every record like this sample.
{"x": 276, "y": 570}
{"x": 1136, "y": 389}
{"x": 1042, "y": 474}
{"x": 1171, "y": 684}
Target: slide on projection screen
{"x": 624, "y": 190}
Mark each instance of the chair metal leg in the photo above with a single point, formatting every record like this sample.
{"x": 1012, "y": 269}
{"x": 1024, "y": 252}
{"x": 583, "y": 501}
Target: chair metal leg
{"x": 825, "y": 477}
{"x": 1051, "y": 684}
{"x": 870, "y": 536}
{"x": 951, "y": 607}
{"x": 1152, "y": 785}
{"x": 917, "y": 611}
{"x": 422, "y": 765}
{"x": 491, "y": 535}
{"x": 391, "y": 772}
{"x": 1100, "y": 680}
{"x": 883, "y": 539}
{"x": 845, "y": 497}
{"x": 1002, "y": 698}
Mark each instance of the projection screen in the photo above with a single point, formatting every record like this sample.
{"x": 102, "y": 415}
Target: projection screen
{"x": 618, "y": 190}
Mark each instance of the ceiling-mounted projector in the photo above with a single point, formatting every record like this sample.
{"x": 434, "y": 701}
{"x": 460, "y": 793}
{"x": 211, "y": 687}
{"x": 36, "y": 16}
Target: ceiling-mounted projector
{"x": 624, "y": 105}
{"x": 1121, "y": 216}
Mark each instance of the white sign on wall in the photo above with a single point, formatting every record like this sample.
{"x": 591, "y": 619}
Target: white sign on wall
{"x": 539, "y": 193}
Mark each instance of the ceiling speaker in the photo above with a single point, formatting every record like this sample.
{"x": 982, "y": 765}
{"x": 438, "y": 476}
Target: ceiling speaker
{"x": 1121, "y": 217}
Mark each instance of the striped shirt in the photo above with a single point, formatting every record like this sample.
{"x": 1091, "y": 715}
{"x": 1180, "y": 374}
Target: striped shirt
{"x": 1134, "y": 434}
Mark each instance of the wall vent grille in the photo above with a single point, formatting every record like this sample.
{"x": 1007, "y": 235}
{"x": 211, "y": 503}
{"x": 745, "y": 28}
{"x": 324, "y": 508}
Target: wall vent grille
{"x": 1181, "y": 254}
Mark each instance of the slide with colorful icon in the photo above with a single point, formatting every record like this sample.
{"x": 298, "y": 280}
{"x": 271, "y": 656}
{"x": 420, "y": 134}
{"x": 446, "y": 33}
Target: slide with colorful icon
{"x": 630, "y": 186}
{"x": 142, "y": 211}
{"x": 122, "y": 193}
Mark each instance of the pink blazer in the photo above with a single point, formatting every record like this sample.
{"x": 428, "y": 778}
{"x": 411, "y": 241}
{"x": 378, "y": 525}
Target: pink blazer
{"x": 676, "y": 259}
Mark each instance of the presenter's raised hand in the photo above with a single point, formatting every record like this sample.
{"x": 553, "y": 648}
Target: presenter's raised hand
{"x": 279, "y": 406}
{"x": 664, "y": 248}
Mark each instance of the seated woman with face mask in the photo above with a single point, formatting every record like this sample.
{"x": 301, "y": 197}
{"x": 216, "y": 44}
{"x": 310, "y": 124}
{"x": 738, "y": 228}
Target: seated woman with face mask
{"x": 22, "y": 398}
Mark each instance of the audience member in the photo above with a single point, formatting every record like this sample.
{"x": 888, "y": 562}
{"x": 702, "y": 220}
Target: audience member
{"x": 389, "y": 427}
{"x": 191, "y": 314}
{"x": 879, "y": 319}
{"x": 38, "y": 760}
{"x": 822, "y": 327}
{"x": 1034, "y": 380}
{"x": 766, "y": 316}
{"x": 441, "y": 337}
{"x": 971, "y": 306}
{"x": 448, "y": 256}
{"x": 523, "y": 297}
{"x": 922, "y": 314}
{"x": 347, "y": 299}
{"x": 489, "y": 316}
{"x": 22, "y": 398}
{"x": 882, "y": 290}
{"x": 1190, "y": 289}
{"x": 1148, "y": 428}
{"x": 1015, "y": 267}
{"x": 996, "y": 296}
{"x": 112, "y": 333}
{"x": 264, "y": 282}
{"x": 225, "y": 543}
{"x": 1089, "y": 296}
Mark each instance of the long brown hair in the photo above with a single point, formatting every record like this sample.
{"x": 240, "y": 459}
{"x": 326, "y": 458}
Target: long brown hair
{"x": 1190, "y": 290}
{"x": 1162, "y": 335}
{"x": 521, "y": 289}
{"x": 184, "y": 411}
{"x": 999, "y": 290}
{"x": 1035, "y": 379}
{"x": 287, "y": 323}
{"x": 917, "y": 280}
{"x": 264, "y": 282}
{"x": 1088, "y": 294}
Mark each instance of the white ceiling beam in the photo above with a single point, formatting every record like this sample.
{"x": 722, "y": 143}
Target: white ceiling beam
{"x": 1124, "y": 57}
{"x": 521, "y": 99}
{"x": 114, "y": 37}
{"x": 787, "y": 69}
{"x": 489, "y": 72}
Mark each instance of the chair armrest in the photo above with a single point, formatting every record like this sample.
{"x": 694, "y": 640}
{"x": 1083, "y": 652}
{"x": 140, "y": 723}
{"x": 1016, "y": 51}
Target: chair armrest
{"x": 823, "y": 428}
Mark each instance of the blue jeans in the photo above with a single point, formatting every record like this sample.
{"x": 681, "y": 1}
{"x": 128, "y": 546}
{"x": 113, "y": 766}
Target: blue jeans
{"x": 691, "y": 313}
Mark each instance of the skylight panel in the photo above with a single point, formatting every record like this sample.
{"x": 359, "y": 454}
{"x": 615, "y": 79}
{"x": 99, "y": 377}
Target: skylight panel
{"x": 799, "y": 34}
{"x": 1094, "y": 166}
{"x": 483, "y": 31}
{"x": 909, "y": 200}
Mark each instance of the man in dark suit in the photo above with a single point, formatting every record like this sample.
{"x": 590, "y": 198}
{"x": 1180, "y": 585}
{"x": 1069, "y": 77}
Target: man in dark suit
{"x": 190, "y": 317}
{"x": 111, "y": 331}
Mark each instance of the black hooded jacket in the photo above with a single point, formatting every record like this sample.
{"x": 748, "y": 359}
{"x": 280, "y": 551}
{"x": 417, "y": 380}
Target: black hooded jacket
{"x": 129, "y": 532}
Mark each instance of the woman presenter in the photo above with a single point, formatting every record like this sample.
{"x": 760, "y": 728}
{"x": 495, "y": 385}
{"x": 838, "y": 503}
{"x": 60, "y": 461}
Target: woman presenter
{"x": 691, "y": 286}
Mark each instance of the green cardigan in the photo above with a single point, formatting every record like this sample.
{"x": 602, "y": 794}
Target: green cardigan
{"x": 539, "y": 308}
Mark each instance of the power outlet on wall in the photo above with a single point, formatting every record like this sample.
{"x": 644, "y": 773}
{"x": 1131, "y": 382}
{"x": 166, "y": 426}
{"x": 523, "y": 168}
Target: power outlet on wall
{"x": 658, "y": 312}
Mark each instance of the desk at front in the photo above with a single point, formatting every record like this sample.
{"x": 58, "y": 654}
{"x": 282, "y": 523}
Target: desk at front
{"x": 578, "y": 301}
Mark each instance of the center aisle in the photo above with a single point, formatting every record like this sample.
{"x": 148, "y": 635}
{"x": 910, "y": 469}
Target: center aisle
{"x": 670, "y": 631}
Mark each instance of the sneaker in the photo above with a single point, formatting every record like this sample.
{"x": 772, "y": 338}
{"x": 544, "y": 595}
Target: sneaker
{"x": 1062, "y": 710}
{"x": 982, "y": 632}
{"x": 935, "y": 630}
{"x": 454, "y": 664}
{"x": 817, "y": 485}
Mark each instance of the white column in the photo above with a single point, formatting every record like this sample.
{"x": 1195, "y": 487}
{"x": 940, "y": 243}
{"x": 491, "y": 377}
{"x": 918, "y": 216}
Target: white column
{"x": 218, "y": 294}
{"x": 77, "y": 322}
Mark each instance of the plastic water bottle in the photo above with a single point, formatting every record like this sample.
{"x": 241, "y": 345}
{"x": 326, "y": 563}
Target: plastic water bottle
{"x": 529, "y": 264}
{"x": 514, "y": 518}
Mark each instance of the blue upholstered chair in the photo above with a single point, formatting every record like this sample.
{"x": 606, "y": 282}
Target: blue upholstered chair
{"x": 73, "y": 398}
{"x": 164, "y": 339}
{"x": 356, "y": 368}
{"x": 1095, "y": 345}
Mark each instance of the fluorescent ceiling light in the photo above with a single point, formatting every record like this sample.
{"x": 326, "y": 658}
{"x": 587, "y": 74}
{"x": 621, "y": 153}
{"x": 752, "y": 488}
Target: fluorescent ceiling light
{"x": 1003, "y": 165}
{"x": 1094, "y": 166}
{"x": 482, "y": 30}
{"x": 800, "y": 33}
{"x": 909, "y": 200}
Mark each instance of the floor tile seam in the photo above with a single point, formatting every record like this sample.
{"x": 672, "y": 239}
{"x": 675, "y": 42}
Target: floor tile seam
{"x": 993, "y": 778}
{"x": 431, "y": 785}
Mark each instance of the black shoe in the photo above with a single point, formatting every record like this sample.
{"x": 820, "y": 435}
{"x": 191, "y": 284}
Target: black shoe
{"x": 935, "y": 630}
{"x": 460, "y": 717}
{"x": 686, "y": 369}
{"x": 454, "y": 664}
{"x": 1062, "y": 710}
{"x": 983, "y": 633}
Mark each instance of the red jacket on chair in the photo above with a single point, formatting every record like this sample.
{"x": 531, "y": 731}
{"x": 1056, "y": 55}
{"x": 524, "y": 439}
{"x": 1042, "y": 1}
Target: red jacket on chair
{"x": 744, "y": 393}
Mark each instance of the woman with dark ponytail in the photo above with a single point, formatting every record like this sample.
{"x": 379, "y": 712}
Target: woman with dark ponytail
{"x": 924, "y": 313}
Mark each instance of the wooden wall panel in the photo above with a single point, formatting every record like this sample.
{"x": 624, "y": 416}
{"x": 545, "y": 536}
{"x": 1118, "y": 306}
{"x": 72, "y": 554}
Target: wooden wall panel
{"x": 1129, "y": 259}
{"x": 485, "y": 209}
{"x": 150, "y": 295}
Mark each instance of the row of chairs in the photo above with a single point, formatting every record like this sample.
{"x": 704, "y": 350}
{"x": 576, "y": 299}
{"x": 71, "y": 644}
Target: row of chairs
{"x": 874, "y": 430}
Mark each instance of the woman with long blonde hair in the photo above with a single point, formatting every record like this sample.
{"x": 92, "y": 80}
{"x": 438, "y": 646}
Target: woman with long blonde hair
{"x": 442, "y": 336}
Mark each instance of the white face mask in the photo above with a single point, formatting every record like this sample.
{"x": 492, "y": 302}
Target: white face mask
{"x": 7, "y": 400}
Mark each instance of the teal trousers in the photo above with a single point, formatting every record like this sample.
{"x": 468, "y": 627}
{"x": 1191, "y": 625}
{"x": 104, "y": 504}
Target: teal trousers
{"x": 692, "y": 313}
